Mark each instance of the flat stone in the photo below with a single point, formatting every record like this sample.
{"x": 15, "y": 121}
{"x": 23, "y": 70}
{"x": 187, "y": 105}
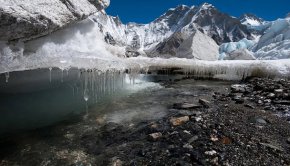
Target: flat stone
{"x": 249, "y": 106}
{"x": 186, "y": 106}
{"x": 179, "y": 121}
{"x": 204, "y": 102}
{"x": 283, "y": 102}
{"x": 192, "y": 139}
{"x": 261, "y": 121}
{"x": 188, "y": 146}
{"x": 272, "y": 146}
{"x": 278, "y": 90}
{"x": 271, "y": 95}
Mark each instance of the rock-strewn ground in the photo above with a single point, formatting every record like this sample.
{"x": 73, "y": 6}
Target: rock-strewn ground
{"x": 231, "y": 125}
{"x": 231, "y": 128}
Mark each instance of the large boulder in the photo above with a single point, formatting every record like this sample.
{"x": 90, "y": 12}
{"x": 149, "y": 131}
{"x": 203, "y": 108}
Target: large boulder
{"x": 29, "y": 19}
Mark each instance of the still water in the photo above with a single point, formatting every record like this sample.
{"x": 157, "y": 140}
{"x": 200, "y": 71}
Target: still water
{"x": 46, "y": 115}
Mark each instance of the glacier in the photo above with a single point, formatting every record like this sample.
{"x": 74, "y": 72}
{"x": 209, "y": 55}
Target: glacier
{"x": 275, "y": 43}
{"x": 237, "y": 50}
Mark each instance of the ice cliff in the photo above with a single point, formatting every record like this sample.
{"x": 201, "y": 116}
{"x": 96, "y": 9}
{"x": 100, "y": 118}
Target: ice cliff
{"x": 29, "y": 19}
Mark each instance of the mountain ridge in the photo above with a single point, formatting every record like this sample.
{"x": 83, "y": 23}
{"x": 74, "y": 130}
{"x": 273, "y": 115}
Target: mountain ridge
{"x": 146, "y": 39}
{"x": 249, "y": 35}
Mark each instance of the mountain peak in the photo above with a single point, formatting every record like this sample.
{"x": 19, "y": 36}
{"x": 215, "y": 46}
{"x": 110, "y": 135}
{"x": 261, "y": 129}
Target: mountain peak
{"x": 251, "y": 20}
{"x": 250, "y": 15}
{"x": 174, "y": 14}
{"x": 206, "y": 6}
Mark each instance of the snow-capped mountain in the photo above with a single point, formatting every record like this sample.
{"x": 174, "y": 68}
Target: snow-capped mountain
{"x": 251, "y": 20}
{"x": 255, "y": 25}
{"x": 196, "y": 32}
{"x": 219, "y": 26}
{"x": 180, "y": 32}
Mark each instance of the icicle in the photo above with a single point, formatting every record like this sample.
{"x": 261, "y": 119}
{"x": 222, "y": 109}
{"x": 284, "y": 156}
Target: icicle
{"x": 50, "y": 70}
{"x": 61, "y": 75}
{"x": 7, "y": 76}
{"x": 73, "y": 89}
{"x": 86, "y": 94}
{"x": 79, "y": 74}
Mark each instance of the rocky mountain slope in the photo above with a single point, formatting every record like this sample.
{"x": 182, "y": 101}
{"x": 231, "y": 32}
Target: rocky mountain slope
{"x": 28, "y": 19}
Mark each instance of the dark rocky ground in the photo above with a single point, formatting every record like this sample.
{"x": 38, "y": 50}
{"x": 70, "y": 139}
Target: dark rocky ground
{"x": 242, "y": 124}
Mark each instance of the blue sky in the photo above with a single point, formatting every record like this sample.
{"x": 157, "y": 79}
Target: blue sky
{"x": 144, "y": 11}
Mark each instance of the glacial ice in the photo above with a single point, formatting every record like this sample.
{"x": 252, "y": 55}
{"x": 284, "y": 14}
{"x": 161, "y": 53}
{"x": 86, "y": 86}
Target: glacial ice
{"x": 227, "y": 70}
{"x": 230, "y": 47}
{"x": 275, "y": 43}
{"x": 81, "y": 46}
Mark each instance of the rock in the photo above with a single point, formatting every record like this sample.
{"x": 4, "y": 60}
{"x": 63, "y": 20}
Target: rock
{"x": 69, "y": 136}
{"x": 210, "y": 153}
{"x": 260, "y": 102}
{"x": 288, "y": 140}
{"x": 185, "y": 106}
{"x": 226, "y": 140}
{"x": 273, "y": 147}
{"x": 154, "y": 125}
{"x": 29, "y": 19}
{"x": 240, "y": 101}
{"x": 179, "y": 121}
{"x": 249, "y": 106}
{"x": 198, "y": 119}
{"x": 271, "y": 95}
{"x": 192, "y": 139}
{"x": 186, "y": 132}
{"x": 238, "y": 88}
{"x": 214, "y": 138}
{"x": 188, "y": 146}
{"x": 155, "y": 136}
{"x": 215, "y": 161}
{"x": 278, "y": 91}
{"x": 117, "y": 162}
{"x": 261, "y": 121}
{"x": 283, "y": 102}
{"x": 204, "y": 102}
